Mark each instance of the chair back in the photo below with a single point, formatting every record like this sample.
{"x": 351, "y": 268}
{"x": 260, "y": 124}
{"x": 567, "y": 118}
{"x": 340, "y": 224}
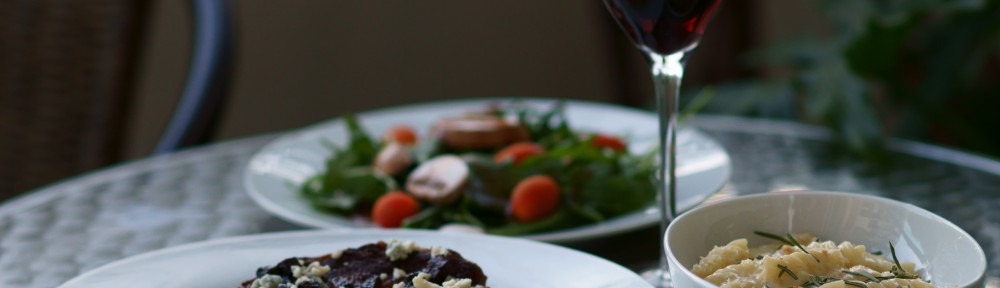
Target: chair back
{"x": 196, "y": 116}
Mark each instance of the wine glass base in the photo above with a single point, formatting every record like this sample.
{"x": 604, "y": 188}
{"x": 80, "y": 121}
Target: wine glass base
{"x": 657, "y": 276}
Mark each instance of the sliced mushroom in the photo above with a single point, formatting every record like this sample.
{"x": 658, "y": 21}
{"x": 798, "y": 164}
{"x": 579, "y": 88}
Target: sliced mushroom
{"x": 439, "y": 181}
{"x": 479, "y": 131}
{"x": 393, "y": 158}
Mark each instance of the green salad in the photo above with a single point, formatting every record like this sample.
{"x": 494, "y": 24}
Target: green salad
{"x": 508, "y": 169}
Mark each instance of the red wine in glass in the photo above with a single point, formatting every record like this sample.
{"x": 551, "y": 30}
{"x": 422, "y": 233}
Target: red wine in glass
{"x": 663, "y": 26}
{"x": 665, "y": 30}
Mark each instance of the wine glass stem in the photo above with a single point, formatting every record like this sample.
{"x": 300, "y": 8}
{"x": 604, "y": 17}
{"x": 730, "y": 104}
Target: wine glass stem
{"x": 668, "y": 70}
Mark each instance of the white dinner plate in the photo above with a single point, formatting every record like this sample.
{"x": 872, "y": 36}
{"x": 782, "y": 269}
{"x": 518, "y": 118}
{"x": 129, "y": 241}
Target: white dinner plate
{"x": 507, "y": 262}
{"x": 274, "y": 172}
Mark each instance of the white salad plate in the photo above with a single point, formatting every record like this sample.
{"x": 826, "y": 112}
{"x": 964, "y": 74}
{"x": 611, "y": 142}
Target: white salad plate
{"x": 274, "y": 173}
{"x": 507, "y": 262}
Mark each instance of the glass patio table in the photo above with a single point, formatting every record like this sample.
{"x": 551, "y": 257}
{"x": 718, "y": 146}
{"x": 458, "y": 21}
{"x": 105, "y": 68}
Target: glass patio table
{"x": 53, "y": 234}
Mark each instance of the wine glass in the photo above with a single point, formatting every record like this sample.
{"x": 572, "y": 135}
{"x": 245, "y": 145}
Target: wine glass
{"x": 665, "y": 30}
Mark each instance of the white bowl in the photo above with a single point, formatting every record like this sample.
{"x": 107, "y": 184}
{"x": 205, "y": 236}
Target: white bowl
{"x": 942, "y": 252}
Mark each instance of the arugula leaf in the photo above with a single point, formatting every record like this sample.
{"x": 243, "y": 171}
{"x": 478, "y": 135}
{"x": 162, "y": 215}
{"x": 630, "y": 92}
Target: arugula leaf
{"x": 435, "y": 216}
{"x": 426, "y": 219}
{"x": 548, "y": 128}
{"x": 563, "y": 218}
{"x": 361, "y": 146}
{"x": 346, "y": 190}
{"x": 349, "y": 183}
{"x": 617, "y": 194}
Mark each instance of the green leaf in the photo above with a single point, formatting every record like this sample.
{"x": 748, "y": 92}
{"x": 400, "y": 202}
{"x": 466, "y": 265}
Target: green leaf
{"x": 345, "y": 190}
{"x": 348, "y": 182}
{"x": 361, "y": 145}
{"x": 562, "y": 218}
{"x": 878, "y": 53}
{"x": 428, "y": 218}
{"x": 548, "y": 128}
{"x": 617, "y": 194}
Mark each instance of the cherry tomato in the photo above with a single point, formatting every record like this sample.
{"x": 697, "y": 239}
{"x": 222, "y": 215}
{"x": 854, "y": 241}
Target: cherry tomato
{"x": 602, "y": 141}
{"x": 402, "y": 134}
{"x": 534, "y": 198}
{"x": 517, "y": 152}
{"x": 392, "y": 208}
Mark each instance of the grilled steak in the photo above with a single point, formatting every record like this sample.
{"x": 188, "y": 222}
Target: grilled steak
{"x": 377, "y": 265}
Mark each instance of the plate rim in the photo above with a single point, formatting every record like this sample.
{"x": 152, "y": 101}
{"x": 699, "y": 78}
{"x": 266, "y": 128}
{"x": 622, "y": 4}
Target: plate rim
{"x": 570, "y": 235}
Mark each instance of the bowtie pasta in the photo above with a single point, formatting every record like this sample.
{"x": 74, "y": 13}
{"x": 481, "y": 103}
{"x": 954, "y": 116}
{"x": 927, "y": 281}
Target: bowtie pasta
{"x": 801, "y": 260}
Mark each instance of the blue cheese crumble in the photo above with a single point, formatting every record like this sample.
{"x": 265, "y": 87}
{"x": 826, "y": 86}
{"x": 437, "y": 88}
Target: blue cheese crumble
{"x": 421, "y": 281}
{"x": 309, "y": 279}
{"x": 267, "y": 281}
{"x": 313, "y": 269}
{"x": 398, "y": 273}
{"x": 439, "y": 251}
{"x": 399, "y": 250}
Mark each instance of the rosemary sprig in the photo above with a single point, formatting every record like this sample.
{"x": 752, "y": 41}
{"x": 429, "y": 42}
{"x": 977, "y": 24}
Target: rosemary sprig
{"x": 817, "y": 281}
{"x": 855, "y": 284}
{"x": 814, "y": 282}
{"x": 772, "y": 236}
{"x": 897, "y": 270}
{"x": 784, "y": 269}
{"x": 870, "y": 277}
{"x": 892, "y": 250}
{"x": 796, "y": 243}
